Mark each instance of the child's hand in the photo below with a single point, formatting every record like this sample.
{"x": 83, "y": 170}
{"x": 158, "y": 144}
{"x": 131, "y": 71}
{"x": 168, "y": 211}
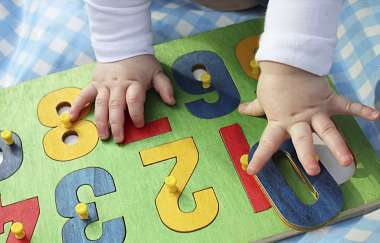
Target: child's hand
{"x": 296, "y": 103}
{"x": 118, "y": 85}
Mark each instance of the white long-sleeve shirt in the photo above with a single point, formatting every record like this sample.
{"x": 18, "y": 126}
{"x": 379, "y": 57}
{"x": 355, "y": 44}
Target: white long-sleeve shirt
{"x": 300, "y": 33}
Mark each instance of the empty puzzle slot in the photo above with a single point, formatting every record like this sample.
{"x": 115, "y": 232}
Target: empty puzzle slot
{"x": 70, "y": 137}
{"x": 299, "y": 184}
{"x": 339, "y": 172}
{"x": 199, "y": 70}
{"x": 63, "y": 107}
{"x": 1, "y": 156}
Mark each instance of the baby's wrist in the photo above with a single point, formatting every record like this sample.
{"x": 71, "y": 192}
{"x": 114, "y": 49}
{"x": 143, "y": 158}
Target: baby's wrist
{"x": 127, "y": 59}
{"x": 276, "y": 68}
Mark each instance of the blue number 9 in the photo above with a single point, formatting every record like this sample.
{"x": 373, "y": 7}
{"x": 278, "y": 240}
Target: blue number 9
{"x": 221, "y": 82}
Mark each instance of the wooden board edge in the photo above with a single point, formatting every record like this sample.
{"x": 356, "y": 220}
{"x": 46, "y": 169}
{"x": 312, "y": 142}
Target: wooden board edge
{"x": 345, "y": 215}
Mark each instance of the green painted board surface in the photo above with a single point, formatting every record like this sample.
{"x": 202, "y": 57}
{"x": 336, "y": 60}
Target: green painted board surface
{"x": 136, "y": 185}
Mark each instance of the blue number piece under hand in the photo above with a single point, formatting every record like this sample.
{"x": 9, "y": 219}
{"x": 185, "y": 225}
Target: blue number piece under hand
{"x": 295, "y": 213}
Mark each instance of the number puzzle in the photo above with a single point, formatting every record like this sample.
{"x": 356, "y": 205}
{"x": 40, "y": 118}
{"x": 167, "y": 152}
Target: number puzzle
{"x": 182, "y": 177}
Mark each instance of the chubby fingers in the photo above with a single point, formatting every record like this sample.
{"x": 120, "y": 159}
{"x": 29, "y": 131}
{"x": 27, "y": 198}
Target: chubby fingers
{"x": 302, "y": 139}
{"x": 135, "y": 98}
{"x": 251, "y": 108}
{"x": 101, "y": 112}
{"x": 86, "y": 96}
{"x": 271, "y": 139}
{"x": 342, "y": 105}
{"x": 327, "y": 131}
{"x": 163, "y": 86}
{"x": 117, "y": 105}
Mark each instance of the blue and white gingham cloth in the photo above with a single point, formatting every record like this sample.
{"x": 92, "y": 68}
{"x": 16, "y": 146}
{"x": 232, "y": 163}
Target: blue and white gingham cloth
{"x": 356, "y": 70}
{"x": 38, "y": 37}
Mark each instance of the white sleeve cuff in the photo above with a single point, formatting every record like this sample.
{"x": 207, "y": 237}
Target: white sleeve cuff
{"x": 120, "y": 29}
{"x": 300, "y": 33}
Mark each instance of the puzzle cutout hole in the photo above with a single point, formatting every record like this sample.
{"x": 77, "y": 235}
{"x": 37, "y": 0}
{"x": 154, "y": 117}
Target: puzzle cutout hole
{"x": 303, "y": 190}
{"x": 63, "y": 107}
{"x": 1, "y": 156}
{"x": 199, "y": 70}
{"x": 94, "y": 231}
{"x": 339, "y": 172}
{"x": 70, "y": 137}
{"x": 86, "y": 195}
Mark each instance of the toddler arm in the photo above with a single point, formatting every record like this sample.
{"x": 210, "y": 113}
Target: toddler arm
{"x": 120, "y": 29}
{"x": 301, "y": 33}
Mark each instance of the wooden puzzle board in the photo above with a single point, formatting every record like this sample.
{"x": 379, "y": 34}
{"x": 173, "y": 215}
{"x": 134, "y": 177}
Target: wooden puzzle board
{"x": 129, "y": 178}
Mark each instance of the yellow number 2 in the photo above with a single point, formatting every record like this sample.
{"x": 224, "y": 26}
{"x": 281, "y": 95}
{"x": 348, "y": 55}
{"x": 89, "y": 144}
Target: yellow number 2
{"x": 207, "y": 206}
{"x": 54, "y": 141}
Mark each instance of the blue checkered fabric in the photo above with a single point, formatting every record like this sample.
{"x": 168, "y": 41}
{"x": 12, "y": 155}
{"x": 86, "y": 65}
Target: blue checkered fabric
{"x": 38, "y": 37}
{"x": 356, "y": 74}
{"x": 360, "y": 229}
{"x": 356, "y": 70}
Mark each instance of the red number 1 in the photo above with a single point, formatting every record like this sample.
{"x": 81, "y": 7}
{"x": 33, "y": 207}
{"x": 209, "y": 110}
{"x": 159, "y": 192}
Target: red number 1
{"x": 237, "y": 145}
{"x": 25, "y": 212}
{"x": 151, "y": 129}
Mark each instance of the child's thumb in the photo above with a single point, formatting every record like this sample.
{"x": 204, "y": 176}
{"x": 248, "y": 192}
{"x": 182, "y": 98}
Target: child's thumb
{"x": 251, "y": 108}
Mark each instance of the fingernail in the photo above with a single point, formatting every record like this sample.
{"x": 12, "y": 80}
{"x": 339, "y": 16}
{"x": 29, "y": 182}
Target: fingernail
{"x": 375, "y": 114}
{"x": 139, "y": 125}
{"x": 172, "y": 100}
{"x": 313, "y": 170}
{"x": 102, "y": 135}
{"x": 347, "y": 160}
{"x": 242, "y": 106}
{"x": 251, "y": 170}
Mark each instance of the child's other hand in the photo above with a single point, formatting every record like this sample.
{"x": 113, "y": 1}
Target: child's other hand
{"x": 118, "y": 85}
{"x": 296, "y": 103}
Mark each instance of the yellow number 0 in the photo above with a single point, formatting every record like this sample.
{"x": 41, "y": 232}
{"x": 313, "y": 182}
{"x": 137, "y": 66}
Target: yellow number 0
{"x": 207, "y": 205}
{"x": 53, "y": 142}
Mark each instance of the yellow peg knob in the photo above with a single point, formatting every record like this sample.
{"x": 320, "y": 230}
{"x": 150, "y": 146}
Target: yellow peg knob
{"x": 255, "y": 68}
{"x": 317, "y": 158}
{"x": 65, "y": 118}
{"x": 253, "y": 64}
{"x": 171, "y": 183}
{"x": 82, "y": 210}
{"x": 244, "y": 162}
{"x": 6, "y": 135}
{"x": 206, "y": 80}
{"x": 18, "y": 230}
